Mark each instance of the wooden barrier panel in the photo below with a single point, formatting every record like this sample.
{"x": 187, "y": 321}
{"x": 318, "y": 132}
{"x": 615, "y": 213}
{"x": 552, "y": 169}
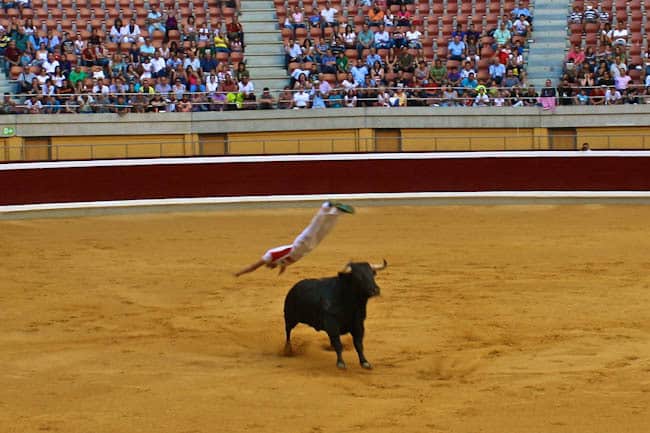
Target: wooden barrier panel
{"x": 118, "y": 146}
{"x": 450, "y": 140}
{"x": 287, "y": 142}
{"x": 323, "y": 174}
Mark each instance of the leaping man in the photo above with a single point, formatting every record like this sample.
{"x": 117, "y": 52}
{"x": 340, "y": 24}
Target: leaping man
{"x": 306, "y": 241}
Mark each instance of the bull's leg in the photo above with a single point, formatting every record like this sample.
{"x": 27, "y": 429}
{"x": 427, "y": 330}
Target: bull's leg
{"x": 357, "y": 338}
{"x": 335, "y": 339}
{"x": 288, "y": 326}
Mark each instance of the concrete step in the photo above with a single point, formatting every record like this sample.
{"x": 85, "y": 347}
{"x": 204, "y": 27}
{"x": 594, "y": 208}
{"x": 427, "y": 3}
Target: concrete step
{"x": 254, "y": 16}
{"x": 273, "y": 84}
{"x": 270, "y": 72}
{"x": 263, "y": 49}
{"x": 246, "y": 4}
{"x": 557, "y": 45}
{"x": 258, "y": 26}
{"x": 265, "y": 60}
{"x": 264, "y": 37}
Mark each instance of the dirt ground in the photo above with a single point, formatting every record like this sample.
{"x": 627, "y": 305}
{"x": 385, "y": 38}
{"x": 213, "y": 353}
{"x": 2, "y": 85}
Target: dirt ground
{"x": 492, "y": 319}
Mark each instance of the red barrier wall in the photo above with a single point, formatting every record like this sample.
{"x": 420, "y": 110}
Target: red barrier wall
{"x": 277, "y": 177}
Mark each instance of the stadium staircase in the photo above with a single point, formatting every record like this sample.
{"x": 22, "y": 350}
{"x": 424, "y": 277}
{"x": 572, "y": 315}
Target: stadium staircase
{"x": 264, "y": 48}
{"x": 546, "y": 54}
{"x": 5, "y": 85}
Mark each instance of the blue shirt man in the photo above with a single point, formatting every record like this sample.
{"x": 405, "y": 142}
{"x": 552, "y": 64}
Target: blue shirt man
{"x": 359, "y": 73}
{"x": 456, "y": 49}
{"x": 372, "y": 58}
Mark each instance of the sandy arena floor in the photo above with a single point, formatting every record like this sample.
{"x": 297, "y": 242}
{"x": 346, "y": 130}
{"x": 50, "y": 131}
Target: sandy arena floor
{"x": 492, "y": 319}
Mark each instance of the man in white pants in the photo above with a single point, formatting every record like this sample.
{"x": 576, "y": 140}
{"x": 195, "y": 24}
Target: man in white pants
{"x": 306, "y": 241}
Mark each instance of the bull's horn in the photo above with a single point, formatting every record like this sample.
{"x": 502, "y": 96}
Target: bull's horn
{"x": 380, "y": 267}
{"x": 347, "y": 269}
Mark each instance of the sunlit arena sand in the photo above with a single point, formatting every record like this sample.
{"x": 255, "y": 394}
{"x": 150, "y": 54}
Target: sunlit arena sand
{"x": 491, "y": 319}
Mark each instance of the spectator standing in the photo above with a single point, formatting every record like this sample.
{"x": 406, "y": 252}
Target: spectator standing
{"x": 547, "y": 96}
{"x": 328, "y": 18}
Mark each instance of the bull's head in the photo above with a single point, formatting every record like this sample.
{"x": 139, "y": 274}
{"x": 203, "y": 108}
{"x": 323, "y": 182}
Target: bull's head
{"x": 363, "y": 274}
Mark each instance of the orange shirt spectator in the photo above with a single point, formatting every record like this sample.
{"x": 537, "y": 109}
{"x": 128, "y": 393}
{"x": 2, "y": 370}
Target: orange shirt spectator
{"x": 376, "y": 16}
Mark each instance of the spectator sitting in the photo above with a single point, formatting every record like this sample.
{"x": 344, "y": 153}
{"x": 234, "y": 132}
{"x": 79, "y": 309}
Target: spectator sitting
{"x": 597, "y": 96}
{"x": 453, "y": 77}
{"x": 522, "y": 10}
{"x": 521, "y": 27}
{"x": 469, "y": 83}
{"x": 297, "y": 20}
{"x": 349, "y": 37}
{"x": 383, "y": 39}
{"x": 266, "y": 99}
{"x": 154, "y": 19}
{"x": 301, "y": 99}
{"x": 376, "y": 16}
{"x": 318, "y": 101}
{"x": 406, "y": 61}
{"x": 359, "y": 72}
{"x": 497, "y": 70}
{"x": 590, "y": 14}
{"x": 115, "y": 35}
{"x": 481, "y": 99}
{"x": 398, "y": 39}
{"x": 373, "y": 57}
{"x": 235, "y": 30}
{"x": 342, "y": 63}
{"x": 619, "y": 35}
{"x": 456, "y": 49}
{"x": 171, "y": 23}
{"x": 147, "y": 49}
{"x": 438, "y": 72}
{"x": 502, "y": 35}
{"x": 285, "y": 99}
{"x": 328, "y": 63}
{"x": 403, "y": 17}
{"x": 365, "y": 40}
{"x": 221, "y": 43}
{"x": 247, "y": 92}
{"x": 511, "y": 79}
{"x": 547, "y": 97}
{"x": 189, "y": 32}
{"x": 576, "y": 16}
{"x": 129, "y": 33}
{"x": 413, "y": 37}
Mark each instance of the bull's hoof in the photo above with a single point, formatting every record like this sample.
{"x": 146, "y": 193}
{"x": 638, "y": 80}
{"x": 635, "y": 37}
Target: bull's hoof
{"x": 366, "y": 365}
{"x": 341, "y": 365}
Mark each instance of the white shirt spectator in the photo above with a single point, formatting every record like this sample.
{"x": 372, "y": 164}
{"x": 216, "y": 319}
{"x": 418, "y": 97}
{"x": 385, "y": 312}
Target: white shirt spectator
{"x": 103, "y": 89}
{"x": 619, "y": 36}
{"x": 301, "y": 99}
{"x": 328, "y": 14}
{"x": 130, "y": 34}
{"x": 413, "y": 36}
{"x": 295, "y": 74}
{"x": 50, "y": 67}
{"x": 382, "y": 37}
{"x": 158, "y": 64}
{"x": 195, "y": 63}
{"x": 247, "y": 88}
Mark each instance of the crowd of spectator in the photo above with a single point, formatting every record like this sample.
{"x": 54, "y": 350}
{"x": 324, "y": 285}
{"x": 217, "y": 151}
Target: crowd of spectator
{"x": 601, "y": 71}
{"x": 175, "y": 65}
{"x": 170, "y": 65}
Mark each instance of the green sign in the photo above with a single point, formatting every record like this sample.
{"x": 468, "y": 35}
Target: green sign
{"x": 8, "y": 131}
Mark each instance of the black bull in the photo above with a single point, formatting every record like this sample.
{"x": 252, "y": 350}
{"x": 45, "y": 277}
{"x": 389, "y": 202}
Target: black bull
{"x": 336, "y": 305}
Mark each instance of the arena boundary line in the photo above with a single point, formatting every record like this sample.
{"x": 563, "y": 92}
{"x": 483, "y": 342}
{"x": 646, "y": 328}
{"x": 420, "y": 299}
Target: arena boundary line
{"x": 98, "y": 208}
{"x": 323, "y": 157}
